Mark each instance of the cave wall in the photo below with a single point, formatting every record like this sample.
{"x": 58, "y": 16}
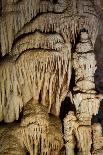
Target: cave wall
{"x": 51, "y": 77}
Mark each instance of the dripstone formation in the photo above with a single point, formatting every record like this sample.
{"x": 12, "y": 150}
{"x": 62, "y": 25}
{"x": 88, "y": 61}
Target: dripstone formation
{"x": 50, "y": 51}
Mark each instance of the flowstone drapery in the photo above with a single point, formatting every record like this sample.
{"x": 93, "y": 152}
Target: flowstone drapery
{"x": 51, "y": 50}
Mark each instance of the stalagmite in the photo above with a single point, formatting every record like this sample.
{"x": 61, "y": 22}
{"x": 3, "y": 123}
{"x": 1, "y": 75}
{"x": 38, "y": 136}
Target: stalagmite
{"x": 86, "y": 101}
{"x": 49, "y": 64}
{"x": 37, "y": 130}
{"x": 76, "y": 134}
{"x": 69, "y": 132}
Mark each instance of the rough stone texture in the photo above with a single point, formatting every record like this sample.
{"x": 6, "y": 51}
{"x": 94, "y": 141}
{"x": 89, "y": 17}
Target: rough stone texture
{"x": 50, "y": 50}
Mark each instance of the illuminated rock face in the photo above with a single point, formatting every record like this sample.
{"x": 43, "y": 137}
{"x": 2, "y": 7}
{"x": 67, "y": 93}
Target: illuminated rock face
{"x": 41, "y": 43}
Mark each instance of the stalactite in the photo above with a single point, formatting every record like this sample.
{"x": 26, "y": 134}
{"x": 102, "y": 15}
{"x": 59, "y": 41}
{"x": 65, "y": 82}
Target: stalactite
{"x": 38, "y": 40}
{"x": 26, "y": 74}
{"x": 20, "y": 20}
{"x": 37, "y": 45}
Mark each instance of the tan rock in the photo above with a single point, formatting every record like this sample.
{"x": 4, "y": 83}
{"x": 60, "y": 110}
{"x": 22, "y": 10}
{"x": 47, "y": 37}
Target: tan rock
{"x": 41, "y": 42}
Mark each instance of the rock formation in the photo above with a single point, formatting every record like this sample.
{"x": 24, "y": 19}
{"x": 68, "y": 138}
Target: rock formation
{"x": 50, "y": 50}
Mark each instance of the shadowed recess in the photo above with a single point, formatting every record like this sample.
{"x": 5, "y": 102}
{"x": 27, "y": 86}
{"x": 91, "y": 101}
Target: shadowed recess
{"x": 66, "y": 106}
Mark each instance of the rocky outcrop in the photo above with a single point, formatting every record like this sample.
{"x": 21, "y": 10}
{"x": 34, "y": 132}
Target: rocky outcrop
{"x": 50, "y": 50}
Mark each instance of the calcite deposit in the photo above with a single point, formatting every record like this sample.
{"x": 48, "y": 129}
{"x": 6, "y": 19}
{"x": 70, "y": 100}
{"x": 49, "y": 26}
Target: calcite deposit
{"x": 51, "y": 82}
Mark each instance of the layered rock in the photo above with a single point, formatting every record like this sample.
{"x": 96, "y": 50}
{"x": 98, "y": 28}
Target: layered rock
{"x": 86, "y": 100}
{"x": 41, "y": 42}
{"x": 38, "y": 133}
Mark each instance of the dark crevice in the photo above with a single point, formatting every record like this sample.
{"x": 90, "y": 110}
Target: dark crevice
{"x": 76, "y": 150}
{"x": 5, "y": 57}
{"x": 98, "y": 118}
{"x": 92, "y": 148}
{"x": 55, "y": 1}
{"x": 20, "y": 116}
{"x": 66, "y": 106}
{"x": 0, "y": 55}
{"x": 72, "y": 81}
{"x": 40, "y": 97}
{"x": 63, "y": 150}
{"x": 0, "y": 7}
